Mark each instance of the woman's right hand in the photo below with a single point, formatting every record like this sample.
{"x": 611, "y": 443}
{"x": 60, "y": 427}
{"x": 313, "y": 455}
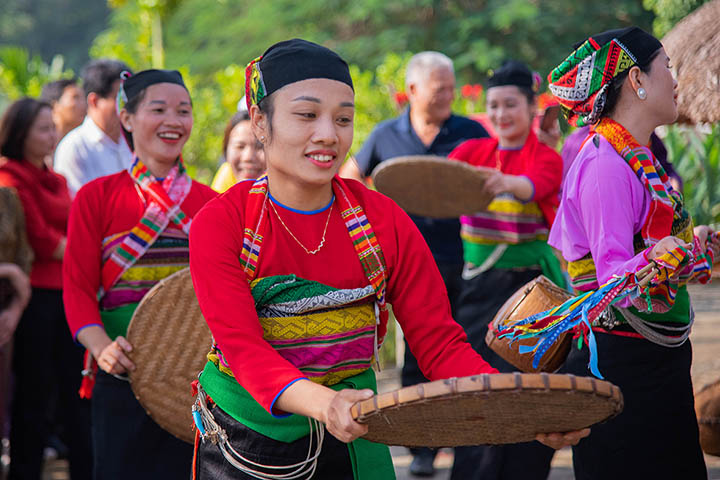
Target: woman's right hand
{"x": 665, "y": 245}
{"x": 112, "y": 358}
{"x": 338, "y": 420}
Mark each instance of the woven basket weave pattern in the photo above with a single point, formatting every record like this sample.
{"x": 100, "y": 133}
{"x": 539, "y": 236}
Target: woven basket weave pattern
{"x": 487, "y": 409}
{"x": 433, "y": 186}
{"x": 170, "y": 342}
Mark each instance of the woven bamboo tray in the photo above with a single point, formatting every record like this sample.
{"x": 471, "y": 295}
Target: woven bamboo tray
{"x": 487, "y": 409}
{"x": 170, "y": 342}
{"x": 707, "y": 408}
{"x": 433, "y": 186}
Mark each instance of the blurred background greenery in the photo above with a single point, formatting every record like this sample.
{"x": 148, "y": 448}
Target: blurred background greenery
{"x": 210, "y": 41}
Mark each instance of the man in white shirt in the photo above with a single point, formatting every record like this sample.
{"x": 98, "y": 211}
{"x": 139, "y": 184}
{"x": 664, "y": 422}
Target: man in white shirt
{"x": 95, "y": 148}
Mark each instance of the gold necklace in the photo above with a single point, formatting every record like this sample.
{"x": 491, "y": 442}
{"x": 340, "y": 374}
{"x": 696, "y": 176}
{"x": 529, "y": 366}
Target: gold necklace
{"x": 322, "y": 241}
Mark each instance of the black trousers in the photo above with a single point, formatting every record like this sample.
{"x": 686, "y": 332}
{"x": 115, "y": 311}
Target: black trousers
{"x": 480, "y": 299}
{"x": 656, "y": 435}
{"x": 47, "y": 364}
{"x": 127, "y": 443}
{"x": 333, "y": 462}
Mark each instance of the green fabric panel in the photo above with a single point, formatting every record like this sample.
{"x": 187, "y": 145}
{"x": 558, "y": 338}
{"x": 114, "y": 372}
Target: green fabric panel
{"x": 679, "y": 313}
{"x": 116, "y": 321}
{"x": 370, "y": 460}
{"x": 528, "y": 254}
{"x": 286, "y": 288}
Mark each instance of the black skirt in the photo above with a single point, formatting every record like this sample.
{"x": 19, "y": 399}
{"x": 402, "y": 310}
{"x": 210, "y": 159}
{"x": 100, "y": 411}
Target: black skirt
{"x": 127, "y": 443}
{"x": 480, "y": 299}
{"x": 656, "y": 435}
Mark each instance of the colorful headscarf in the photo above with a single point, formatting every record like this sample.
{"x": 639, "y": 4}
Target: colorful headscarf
{"x": 289, "y": 62}
{"x": 581, "y": 82}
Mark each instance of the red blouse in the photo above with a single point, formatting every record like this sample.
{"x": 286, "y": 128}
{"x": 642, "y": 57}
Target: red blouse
{"x": 103, "y": 207}
{"x": 46, "y": 203}
{"x": 536, "y": 161}
{"x": 415, "y": 287}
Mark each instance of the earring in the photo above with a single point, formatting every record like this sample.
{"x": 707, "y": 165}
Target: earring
{"x": 641, "y": 93}
{"x": 262, "y": 139}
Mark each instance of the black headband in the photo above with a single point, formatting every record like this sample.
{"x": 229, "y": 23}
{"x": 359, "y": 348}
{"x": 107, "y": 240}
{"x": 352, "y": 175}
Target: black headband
{"x": 515, "y": 73}
{"x": 289, "y": 62}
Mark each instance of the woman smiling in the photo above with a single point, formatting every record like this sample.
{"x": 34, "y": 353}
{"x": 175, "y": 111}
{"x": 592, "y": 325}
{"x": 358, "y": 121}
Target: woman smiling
{"x": 127, "y": 232}
{"x": 294, "y": 273}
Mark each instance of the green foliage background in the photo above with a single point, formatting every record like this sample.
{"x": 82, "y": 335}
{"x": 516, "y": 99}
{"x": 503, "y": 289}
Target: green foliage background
{"x": 211, "y": 40}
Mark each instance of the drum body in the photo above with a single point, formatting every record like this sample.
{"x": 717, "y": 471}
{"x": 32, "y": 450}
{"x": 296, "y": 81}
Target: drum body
{"x": 536, "y": 296}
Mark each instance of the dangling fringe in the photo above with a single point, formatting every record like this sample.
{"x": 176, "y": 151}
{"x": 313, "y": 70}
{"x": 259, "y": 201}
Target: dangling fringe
{"x": 576, "y": 315}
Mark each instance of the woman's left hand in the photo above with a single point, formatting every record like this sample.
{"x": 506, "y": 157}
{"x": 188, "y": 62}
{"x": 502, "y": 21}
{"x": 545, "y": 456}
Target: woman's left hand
{"x": 562, "y": 440}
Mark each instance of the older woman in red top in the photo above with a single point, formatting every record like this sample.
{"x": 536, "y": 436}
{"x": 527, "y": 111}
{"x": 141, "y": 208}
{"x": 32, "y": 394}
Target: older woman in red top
{"x": 46, "y": 360}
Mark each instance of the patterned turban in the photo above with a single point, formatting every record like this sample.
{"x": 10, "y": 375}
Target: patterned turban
{"x": 581, "y": 82}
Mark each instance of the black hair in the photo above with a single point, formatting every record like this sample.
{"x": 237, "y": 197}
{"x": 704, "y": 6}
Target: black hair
{"x": 242, "y": 116}
{"x": 52, "y": 91}
{"x": 99, "y": 76}
{"x": 613, "y": 94}
{"x": 267, "y": 106}
{"x": 15, "y": 126}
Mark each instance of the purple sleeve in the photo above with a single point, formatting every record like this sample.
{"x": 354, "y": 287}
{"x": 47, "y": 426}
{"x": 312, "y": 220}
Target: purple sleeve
{"x": 613, "y": 206}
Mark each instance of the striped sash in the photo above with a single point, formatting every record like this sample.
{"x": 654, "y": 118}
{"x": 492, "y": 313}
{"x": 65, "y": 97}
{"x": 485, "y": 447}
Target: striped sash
{"x": 162, "y": 207}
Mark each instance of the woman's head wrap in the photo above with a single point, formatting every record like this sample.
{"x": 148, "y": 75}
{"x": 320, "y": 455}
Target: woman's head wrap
{"x": 582, "y": 80}
{"x": 515, "y": 73}
{"x": 132, "y": 85}
{"x": 289, "y": 62}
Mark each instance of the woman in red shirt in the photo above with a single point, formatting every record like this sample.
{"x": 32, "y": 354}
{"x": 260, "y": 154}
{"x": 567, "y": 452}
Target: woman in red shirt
{"x": 46, "y": 361}
{"x": 506, "y": 246}
{"x": 294, "y": 273}
{"x": 128, "y": 231}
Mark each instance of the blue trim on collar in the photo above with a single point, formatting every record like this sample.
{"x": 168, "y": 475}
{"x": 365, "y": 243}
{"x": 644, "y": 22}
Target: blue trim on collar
{"x": 508, "y": 149}
{"x": 302, "y": 212}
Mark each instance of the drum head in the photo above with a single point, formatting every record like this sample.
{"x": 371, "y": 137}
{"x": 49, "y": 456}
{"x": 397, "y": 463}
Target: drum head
{"x": 487, "y": 409}
{"x": 170, "y": 342}
{"x": 433, "y": 186}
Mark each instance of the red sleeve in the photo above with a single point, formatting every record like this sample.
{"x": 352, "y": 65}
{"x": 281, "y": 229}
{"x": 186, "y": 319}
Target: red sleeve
{"x": 464, "y": 151}
{"x": 545, "y": 173}
{"x": 421, "y": 306}
{"x": 43, "y": 238}
{"x": 227, "y": 305}
{"x": 83, "y": 260}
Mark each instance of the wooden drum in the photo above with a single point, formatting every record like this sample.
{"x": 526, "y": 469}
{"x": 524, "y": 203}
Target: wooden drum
{"x": 536, "y": 296}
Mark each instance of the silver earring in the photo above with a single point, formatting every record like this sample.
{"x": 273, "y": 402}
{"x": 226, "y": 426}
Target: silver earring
{"x": 262, "y": 138}
{"x": 641, "y": 93}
